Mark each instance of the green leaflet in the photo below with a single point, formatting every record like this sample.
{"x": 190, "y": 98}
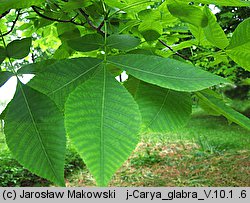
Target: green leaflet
{"x": 63, "y": 77}
{"x": 238, "y": 49}
{"x": 67, "y": 31}
{"x": 188, "y": 13}
{"x": 35, "y": 134}
{"x": 4, "y": 77}
{"x": 132, "y": 85}
{"x": 150, "y": 30}
{"x": 213, "y": 31}
{"x": 162, "y": 109}
{"x": 87, "y": 42}
{"x": 122, "y": 42}
{"x": 103, "y": 121}
{"x": 63, "y": 52}
{"x": 16, "y": 4}
{"x": 165, "y": 72}
{"x": 19, "y": 49}
{"x": 213, "y": 101}
{"x": 199, "y": 35}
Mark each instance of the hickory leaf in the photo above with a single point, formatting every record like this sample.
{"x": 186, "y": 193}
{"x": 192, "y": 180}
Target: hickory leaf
{"x": 165, "y": 72}
{"x": 103, "y": 122}
{"x": 35, "y": 134}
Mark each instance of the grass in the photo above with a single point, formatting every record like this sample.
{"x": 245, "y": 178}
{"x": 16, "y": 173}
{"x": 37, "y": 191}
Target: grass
{"x": 207, "y": 152}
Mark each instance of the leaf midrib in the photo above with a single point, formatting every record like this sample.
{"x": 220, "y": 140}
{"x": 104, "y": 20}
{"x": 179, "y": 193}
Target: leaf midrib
{"x": 160, "y": 75}
{"x": 102, "y": 137}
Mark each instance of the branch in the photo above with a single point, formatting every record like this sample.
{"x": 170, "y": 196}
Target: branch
{"x": 13, "y": 23}
{"x": 86, "y": 16}
{"x": 36, "y": 9}
{"x": 4, "y": 14}
{"x": 175, "y": 52}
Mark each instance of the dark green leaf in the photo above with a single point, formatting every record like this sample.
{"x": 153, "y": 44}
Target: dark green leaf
{"x": 122, "y": 42}
{"x": 63, "y": 52}
{"x": 86, "y": 43}
{"x": 67, "y": 31}
{"x": 4, "y": 77}
{"x": 132, "y": 85}
{"x": 19, "y": 49}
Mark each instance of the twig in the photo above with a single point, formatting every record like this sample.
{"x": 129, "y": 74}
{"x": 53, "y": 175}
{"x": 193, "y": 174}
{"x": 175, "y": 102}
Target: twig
{"x": 4, "y": 14}
{"x": 36, "y": 9}
{"x": 101, "y": 25}
{"x": 105, "y": 19}
{"x": 13, "y": 24}
{"x": 175, "y": 52}
{"x": 86, "y": 16}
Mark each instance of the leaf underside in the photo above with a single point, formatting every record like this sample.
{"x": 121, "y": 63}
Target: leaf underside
{"x": 103, "y": 122}
{"x": 63, "y": 77}
{"x": 35, "y": 134}
{"x": 163, "y": 110}
{"x": 165, "y": 72}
